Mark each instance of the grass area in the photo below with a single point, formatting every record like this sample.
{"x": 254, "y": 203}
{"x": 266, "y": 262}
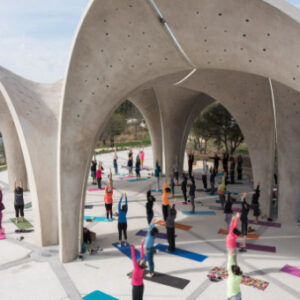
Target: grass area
{"x": 243, "y": 149}
{"x": 3, "y": 167}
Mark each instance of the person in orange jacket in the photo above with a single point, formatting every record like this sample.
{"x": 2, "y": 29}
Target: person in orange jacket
{"x": 108, "y": 199}
{"x": 165, "y": 200}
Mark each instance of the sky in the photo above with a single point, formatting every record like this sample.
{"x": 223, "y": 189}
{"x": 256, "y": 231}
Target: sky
{"x": 36, "y": 36}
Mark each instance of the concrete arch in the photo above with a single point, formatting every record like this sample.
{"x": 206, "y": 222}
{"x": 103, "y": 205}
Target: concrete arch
{"x": 28, "y": 103}
{"x": 125, "y": 38}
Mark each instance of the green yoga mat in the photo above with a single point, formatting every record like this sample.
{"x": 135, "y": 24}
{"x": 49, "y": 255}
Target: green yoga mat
{"x": 28, "y": 205}
{"x": 22, "y": 225}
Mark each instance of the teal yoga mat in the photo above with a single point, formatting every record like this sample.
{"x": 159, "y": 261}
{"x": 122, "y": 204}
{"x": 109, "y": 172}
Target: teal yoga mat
{"x": 136, "y": 180}
{"x": 97, "y": 295}
{"x": 97, "y": 219}
{"x": 202, "y": 213}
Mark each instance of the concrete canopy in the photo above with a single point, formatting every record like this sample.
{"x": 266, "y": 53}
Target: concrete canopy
{"x": 121, "y": 45}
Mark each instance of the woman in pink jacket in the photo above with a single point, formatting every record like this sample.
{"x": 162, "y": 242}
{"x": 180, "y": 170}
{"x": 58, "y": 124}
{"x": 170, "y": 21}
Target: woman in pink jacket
{"x": 137, "y": 273}
{"x": 108, "y": 199}
{"x": 232, "y": 236}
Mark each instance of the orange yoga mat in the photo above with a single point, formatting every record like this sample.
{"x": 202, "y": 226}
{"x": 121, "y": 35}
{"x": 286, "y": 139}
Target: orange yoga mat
{"x": 177, "y": 225}
{"x": 249, "y": 235}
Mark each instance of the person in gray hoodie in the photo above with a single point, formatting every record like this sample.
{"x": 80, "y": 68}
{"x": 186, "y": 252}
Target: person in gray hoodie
{"x": 170, "y": 225}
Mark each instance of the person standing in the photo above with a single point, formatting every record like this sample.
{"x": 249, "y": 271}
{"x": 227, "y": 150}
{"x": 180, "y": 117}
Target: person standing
{"x": 108, "y": 200}
{"x": 130, "y": 161}
{"x": 149, "y": 205}
{"x": 137, "y": 273}
{"x": 122, "y": 220}
{"x": 222, "y": 191}
{"x": 19, "y": 201}
{"x": 115, "y": 162}
{"x": 234, "y": 279}
{"x": 2, "y": 207}
{"x": 204, "y": 174}
{"x": 176, "y": 172}
{"x": 232, "y": 235}
{"x": 137, "y": 167}
{"x": 225, "y": 163}
{"x": 99, "y": 175}
{"x": 149, "y": 242}
{"x": 190, "y": 163}
{"x": 216, "y": 159}
{"x": 165, "y": 200}
{"x": 255, "y": 203}
{"x": 157, "y": 174}
{"x": 172, "y": 184}
{"x": 232, "y": 169}
{"x": 170, "y": 225}
{"x": 142, "y": 156}
{"x": 228, "y": 210}
{"x": 244, "y": 219}
{"x": 93, "y": 170}
{"x": 212, "y": 179}
{"x": 192, "y": 195}
{"x": 184, "y": 187}
{"x": 240, "y": 167}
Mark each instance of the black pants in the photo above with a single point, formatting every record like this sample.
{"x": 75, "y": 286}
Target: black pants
{"x": 137, "y": 292}
{"x": 165, "y": 211}
{"x": 204, "y": 180}
{"x": 108, "y": 208}
{"x": 138, "y": 174}
{"x": 184, "y": 195}
{"x": 99, "y": 183}
{"x": 232, "y": 176}
{"x": 149, "y": 217}
{"x": 19, "y": 210}
{"x": 190, "y": 170}
{"x": 240, "y": 171}
{"x": 122, "y": 227}
{"x": 212, "y": 185}
{"x": 171, "y": 238}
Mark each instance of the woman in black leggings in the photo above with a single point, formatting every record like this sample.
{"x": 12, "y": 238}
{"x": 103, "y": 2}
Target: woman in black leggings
{"x": 122, "y": 221}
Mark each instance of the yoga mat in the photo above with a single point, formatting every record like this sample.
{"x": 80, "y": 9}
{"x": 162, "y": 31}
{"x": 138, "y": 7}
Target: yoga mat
{"x": 188, "y": 203}
{"x": 127, "y": 177}
{"x": 177, "y": 225}
{"x": 156, "y": 191}
{"x": 95, "y": 190}
{"x": 215, "y": 207}
{"x": 182, "y": 253}
{"x": 236, "y": 209}
{"x": 2, "y": 236}
{"x": 88, "y": 206}
{"x": 291, "y": 270}
{"x": 271, "y": 224}
{"x": 258, "y": 247}
{"x": 137, "y": 180}
{"x": 235, "y": 202}
{"x": 28, "y": 205}
{"x": 168, "y": 280}
{"x": 88, "y": 218}
{"x": 246, "y": 280}
{"x": 216, "y": 194}
{"x": 127, "y": 251}
{"x": 97, "y": 219}
{"x": 97, "y": 295}
{"x": 249, "y": 235}
{"x": 22, "y": 225}
{"x": 201, "y": 213}
{"x": 159, "y": 235}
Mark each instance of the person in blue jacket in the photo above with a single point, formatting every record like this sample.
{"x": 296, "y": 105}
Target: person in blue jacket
{"x": 122, "y": 221}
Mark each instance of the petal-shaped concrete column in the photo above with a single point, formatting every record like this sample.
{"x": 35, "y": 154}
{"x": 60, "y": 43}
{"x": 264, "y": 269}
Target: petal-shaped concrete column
{"x": 147, "y": 104}
{"x": 34, "y": 110}
{"x": 14, "y": 155}
{"x": 178, "y": 108}
{"x": 120, "y": 45}
{"x": 248, "y": 99}
{"x": 287, "y": 103}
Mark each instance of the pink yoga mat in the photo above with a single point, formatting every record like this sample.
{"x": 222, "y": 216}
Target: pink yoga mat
{"x": 188, "y": 203}
{"x": 236, "y": 209}
{"x": 291, "y": 270}
{"x": 128, "y": 177}
{"x": 2, "y": 236}
{"x": 95, "y": 190}
{"x": 270, "y": 224}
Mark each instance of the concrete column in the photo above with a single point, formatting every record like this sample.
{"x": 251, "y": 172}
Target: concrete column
{"x": 287, "y": 104}
{"x": 177, "y": 107}
{"x": 146, "y": 102}
{"x": 237, "y": 92}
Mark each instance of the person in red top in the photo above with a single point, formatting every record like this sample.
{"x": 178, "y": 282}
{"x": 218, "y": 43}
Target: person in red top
{"x": 137, "y": 273}
{"x": 99, "y": 175}
{"x": 108, "y": 200}
{"x": 232, "y": 236}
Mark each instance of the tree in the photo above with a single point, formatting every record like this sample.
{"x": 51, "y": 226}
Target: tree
{"x": 216, "y": 123}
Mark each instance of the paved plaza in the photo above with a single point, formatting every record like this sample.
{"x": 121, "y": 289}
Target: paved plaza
{"x": 30, "y": 272}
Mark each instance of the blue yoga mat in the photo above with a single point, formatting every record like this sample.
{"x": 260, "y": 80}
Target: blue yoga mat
{"x": 88, "y": 217}
{"x": 182, "y": 253}
{"x": 135, "y": 180}
{"x": 97, "y": 219}
{"x": 97, "y": 295}
{"x": 202, "y": 213}
{"x": 156, "y": 191}
{"x": 127, "y": 251}
{"x": 159, "y": 235}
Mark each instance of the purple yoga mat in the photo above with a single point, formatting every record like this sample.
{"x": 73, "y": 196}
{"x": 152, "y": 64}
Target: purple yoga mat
{"x": 258, "y": 247}
{"x": 291, "y": 270}
{"x": 271, "y": 224}
{"x": 159, "y": 235}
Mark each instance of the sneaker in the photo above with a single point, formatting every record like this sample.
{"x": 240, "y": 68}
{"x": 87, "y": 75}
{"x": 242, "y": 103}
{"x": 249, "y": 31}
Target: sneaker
{"x": 149, "y": 275}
